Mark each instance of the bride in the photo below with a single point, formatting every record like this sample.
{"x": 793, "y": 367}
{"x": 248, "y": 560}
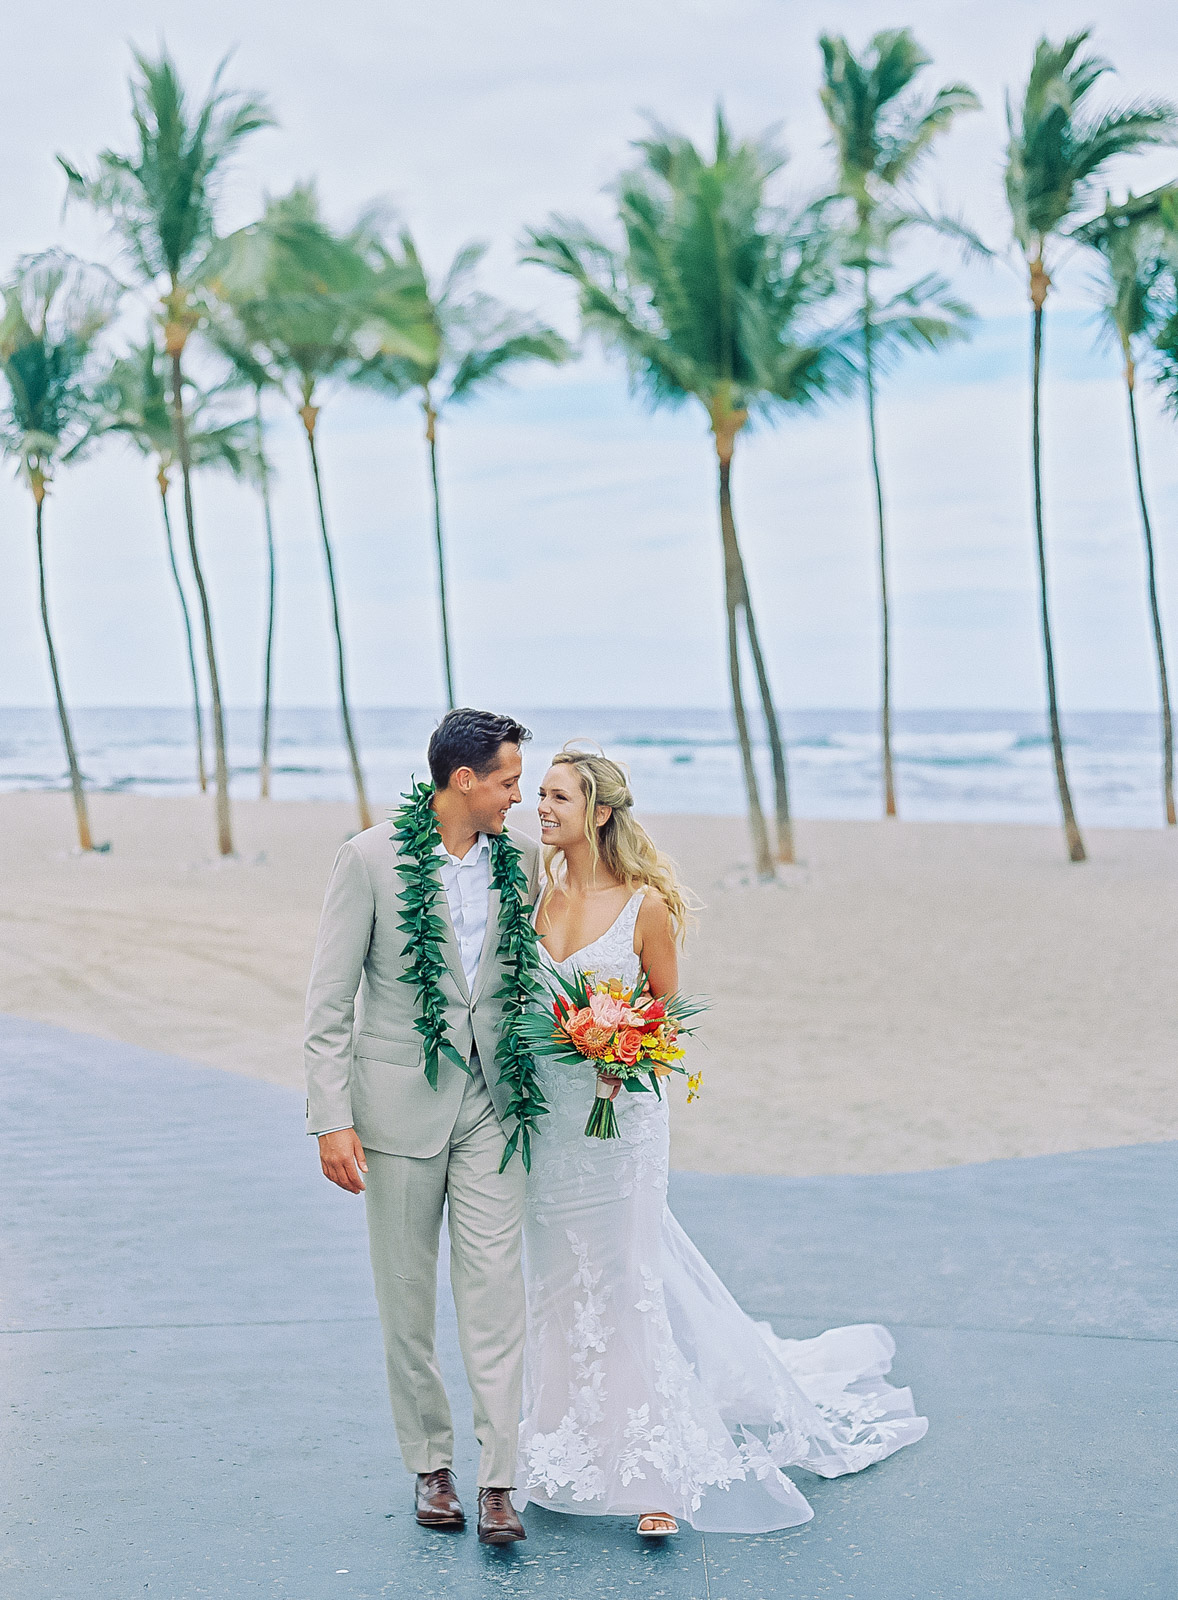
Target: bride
{"x": 647, "y": 1391}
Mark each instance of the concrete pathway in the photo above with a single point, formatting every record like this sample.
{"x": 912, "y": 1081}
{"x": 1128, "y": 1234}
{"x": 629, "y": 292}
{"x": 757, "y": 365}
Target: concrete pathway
{"x": 196, "y": 1402}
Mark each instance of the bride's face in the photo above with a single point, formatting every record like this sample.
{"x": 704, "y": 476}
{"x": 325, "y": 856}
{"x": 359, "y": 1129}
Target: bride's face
{"x": 562, "y": 808}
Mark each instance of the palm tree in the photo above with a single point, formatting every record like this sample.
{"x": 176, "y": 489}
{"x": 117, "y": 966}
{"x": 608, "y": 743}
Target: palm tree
{"x": 54, "y": 309}
{"x": 1130, "y": 239}
{"x": 300, "y": 294}
{"x": 161, "y": 200}
{"x": 1057, "y": 149}
{"x": 134, "y": 402}
{"x": 271, "y": 596}
{"x": 470, "y": 342}
{"x": 233, "y": 344}
{"x": 711, "y": 297}
{"x": 881, "y": 134}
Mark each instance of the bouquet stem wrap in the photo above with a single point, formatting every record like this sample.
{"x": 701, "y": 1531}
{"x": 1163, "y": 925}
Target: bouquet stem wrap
{"x": 603, "y": 1119}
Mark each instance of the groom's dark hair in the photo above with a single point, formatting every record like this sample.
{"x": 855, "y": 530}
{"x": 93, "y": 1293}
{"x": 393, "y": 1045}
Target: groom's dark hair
{"x": 466, "y": 738}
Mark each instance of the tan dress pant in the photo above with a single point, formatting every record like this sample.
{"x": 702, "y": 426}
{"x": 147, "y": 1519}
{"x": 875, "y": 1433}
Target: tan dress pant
{"x": 404, "y": 1199}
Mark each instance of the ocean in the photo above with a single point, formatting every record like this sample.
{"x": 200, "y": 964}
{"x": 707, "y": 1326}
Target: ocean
{"x": 973, "y": 766}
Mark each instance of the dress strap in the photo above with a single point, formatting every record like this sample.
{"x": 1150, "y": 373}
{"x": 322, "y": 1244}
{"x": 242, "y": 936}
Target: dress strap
{"x": 628, "y": 920}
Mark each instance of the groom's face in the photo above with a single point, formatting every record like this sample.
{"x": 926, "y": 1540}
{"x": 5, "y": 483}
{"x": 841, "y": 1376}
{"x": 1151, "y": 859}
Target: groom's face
{"x": 492, "y": 796}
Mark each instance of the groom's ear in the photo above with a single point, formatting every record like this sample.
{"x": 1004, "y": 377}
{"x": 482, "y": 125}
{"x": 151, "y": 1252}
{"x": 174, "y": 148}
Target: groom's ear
{"x": 463, "y": 779}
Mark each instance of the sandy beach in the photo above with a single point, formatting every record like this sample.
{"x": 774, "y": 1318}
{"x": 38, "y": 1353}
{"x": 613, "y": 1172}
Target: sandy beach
{"x": 918, "y": 995}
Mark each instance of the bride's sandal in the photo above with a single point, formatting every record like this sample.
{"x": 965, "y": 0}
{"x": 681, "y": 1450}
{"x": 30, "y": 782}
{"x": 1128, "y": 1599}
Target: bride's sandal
{"x": 656, "y": 1525}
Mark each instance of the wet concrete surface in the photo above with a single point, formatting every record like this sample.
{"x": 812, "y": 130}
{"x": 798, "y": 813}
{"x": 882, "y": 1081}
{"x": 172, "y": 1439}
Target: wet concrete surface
{"x": 195, "y": 1402}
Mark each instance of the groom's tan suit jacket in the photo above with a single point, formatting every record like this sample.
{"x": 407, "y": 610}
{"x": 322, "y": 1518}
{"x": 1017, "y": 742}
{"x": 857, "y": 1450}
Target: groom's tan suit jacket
{"x": 364, "y": 1057}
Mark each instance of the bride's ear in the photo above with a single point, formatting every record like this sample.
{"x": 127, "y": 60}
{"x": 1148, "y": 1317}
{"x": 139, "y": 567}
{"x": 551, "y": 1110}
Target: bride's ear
{"x": 601, "y": 816}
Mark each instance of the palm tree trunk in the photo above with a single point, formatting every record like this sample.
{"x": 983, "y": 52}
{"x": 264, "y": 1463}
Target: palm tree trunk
{"x": 85, "y": 840}
{"x": 734, "y": 593}
{"x": 431, "y": 418}
{"x": 785, "y": 832}
{"x": 1075, "y": 843}
{"x": 197, "y": 714}
{"x": 885, "y": 628}
{"x": 1154, "y": 608}
{"x": 268, "y": 667}
{"x": 309, "y": 414}
{"x": 221, "y": 765}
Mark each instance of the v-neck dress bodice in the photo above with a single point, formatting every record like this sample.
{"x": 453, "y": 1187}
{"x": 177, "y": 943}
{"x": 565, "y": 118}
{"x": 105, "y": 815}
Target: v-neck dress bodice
{"x": 646, "y": 1387}
{"x": 612, "y": 953}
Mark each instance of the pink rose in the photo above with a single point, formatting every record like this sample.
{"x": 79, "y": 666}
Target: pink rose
{"x": 611, "y": 1013}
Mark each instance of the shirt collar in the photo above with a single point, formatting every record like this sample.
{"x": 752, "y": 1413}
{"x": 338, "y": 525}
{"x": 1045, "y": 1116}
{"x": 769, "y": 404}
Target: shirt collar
{"x": 471, "y": 858}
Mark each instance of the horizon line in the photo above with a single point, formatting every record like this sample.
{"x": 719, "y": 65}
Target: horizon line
{"x": 601, "y": 710}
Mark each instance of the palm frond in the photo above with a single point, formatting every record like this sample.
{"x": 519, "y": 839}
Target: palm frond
{"x": 906, "y": 143}
{"x": 1055, "y": 152}
{"x": 291, "y": 295}
{"x": 1164, "y": 366}
{"x": 713, "y": 292}
{"x": 403, "y": 339}
{"x": 973, "y": 247}
{"x": 489, "y": 363}
{"x": 880, "y": 129}
{"x": 459, "y": 276}
{"x": 54, "y": 309}
{"x": 133, "y": 403}
{"x": 161, "y": 197}
{"x": 1130, "y": 241}
{"x": 925, "y": 315}
{"x": 452, "y": 335}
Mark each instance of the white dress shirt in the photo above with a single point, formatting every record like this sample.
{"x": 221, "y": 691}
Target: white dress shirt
{"x": 467, "y": 883}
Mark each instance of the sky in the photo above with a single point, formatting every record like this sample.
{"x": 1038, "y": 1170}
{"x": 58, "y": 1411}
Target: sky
{"x": 584, "y": 557}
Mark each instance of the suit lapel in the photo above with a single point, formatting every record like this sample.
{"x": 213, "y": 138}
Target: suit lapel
{"x": 490, "y": 944}
{"x": 450, "y": 945}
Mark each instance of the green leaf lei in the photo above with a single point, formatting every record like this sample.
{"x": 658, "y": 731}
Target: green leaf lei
{"x": 418, "y": 867}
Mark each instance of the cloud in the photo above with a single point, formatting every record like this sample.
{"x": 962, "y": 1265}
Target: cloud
{"x": 582, "y": 537}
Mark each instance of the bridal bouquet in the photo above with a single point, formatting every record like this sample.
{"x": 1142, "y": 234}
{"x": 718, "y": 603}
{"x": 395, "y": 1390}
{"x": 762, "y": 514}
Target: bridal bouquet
{"x": 632, "y": 1039}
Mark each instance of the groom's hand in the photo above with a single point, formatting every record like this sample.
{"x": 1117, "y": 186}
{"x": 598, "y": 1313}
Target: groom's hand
{"x": 341, "y": 1155}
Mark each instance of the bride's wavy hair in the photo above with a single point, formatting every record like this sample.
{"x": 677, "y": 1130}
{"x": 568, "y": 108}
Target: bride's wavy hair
{"x": 621, "y": 844}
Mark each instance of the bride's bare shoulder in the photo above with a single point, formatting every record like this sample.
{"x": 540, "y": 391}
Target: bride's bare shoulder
{"x": 654, "y": 914}
{"x": 552, "y": 901}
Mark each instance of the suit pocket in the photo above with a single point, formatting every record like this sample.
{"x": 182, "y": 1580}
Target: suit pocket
{"x": 397, "y": 1052}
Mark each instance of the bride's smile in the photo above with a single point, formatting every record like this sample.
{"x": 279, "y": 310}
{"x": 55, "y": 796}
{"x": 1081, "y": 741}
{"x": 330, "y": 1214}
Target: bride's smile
{"x": 562, "y": 811}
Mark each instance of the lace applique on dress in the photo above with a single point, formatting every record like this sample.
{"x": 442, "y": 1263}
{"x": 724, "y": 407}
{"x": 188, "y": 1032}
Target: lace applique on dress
{"x": 566, "y": 1458}
{"x": 663, "y": 1431}
{"x": 646, "y": 1386}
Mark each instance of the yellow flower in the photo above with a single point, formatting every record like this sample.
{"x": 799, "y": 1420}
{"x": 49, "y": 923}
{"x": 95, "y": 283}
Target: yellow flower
{"x": 669, "y": 1052}
{"x": 694, "y": 1081}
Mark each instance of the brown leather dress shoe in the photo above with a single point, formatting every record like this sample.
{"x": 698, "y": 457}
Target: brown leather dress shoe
{"x": 498, "y": 1523}
{"x": 437, "y": 1502}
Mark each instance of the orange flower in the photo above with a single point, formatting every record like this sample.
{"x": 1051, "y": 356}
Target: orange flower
{"x": 627, "y": 1045}
{"x": 590, "y": 1038}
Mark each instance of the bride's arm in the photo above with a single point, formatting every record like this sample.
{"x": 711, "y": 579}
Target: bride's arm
{"x": 654, "y": 940}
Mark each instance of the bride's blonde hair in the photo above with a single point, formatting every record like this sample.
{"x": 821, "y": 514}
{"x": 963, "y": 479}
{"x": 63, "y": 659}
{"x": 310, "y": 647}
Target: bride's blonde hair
{"x": 621, "y": 844}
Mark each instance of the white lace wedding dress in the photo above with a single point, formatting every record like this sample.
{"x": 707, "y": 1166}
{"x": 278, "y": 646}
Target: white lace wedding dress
{"x": 646, "y": 1387}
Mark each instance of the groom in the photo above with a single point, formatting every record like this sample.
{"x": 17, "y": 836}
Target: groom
{"x": 424, "y": 1147}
